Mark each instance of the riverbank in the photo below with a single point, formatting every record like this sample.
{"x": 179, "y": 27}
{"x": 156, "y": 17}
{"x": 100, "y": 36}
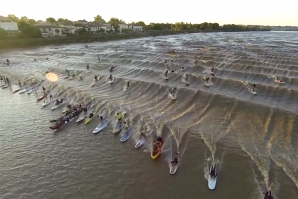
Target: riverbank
{"x": 36, "y": 42}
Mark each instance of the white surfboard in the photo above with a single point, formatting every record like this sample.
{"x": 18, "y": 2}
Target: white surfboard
{"x": 101, "y": 126}
{"x": 174, "y": 167}
{"x": 118, "y": 127}
{"x": 254, "y": 92}
{"x": 80, "y": 119}
{"x": 212, "y": 180}
{"x": 140, "y": 142}
{"x": 48, "y": 102}
{"x": 207, "y": 84}
{"x": 125, "y": 89}
{"x": 111, "y": 81}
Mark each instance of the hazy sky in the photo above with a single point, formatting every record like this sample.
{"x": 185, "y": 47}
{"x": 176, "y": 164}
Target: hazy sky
{"x": 259, "y": 12}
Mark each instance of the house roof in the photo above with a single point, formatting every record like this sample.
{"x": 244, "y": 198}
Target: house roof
{"x": 4, "y": 19}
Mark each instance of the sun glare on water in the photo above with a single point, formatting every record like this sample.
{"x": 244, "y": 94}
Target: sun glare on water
{"x": 52, "y": 77}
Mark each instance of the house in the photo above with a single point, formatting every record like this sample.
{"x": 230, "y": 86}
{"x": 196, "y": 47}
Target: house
{"x": 123, "y": 27}
{"x": 48, "y": 30}
{"x": 8, "y": 24}
{"x": 136, "y": 28}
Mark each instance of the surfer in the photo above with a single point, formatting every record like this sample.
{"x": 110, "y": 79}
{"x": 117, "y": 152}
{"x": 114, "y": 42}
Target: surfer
{"x": 91, "y": 115}
{"x": 174, "y": 91}
{"x": 111, "y": 77}
{"x": 95, "y": 78}
{"x": 112, "y": 68}
{"x": 67, "y": 71}
{"x": 119, "y": 117}
{"x": 128, "y": 84}
{"x": 87, "y": 67}
{"x": 268, "y": 195}
{"x": 81, "y": 77}
{"x": 212, "y": 71}
{"x": 213, "y": 173}
{"x": 166, "y": 73}
{"x": 165, "y": 61}
{"x": 175, "y": 158}
{"x": 51, "y": 97}
{"x": 207, "y": 79}
{"x": 253, "y": 88}
{"x": 7, "y": 62}
{"x": 182, "y": 68}
{"x": 142, "y": 134}
{"x": 126, "y": 125}
{"x": 101, "y": 118}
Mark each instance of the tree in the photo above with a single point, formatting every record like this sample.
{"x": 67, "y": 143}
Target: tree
{"x": 81, "y": 31}
{"x": 51, "y": 20}
{"x": 115, "y": 23}
{"x": 3, "y": 33}
{"x": 140, "y": 23}
{"x": 66, "y": 21}
{"x": 13, "y": 17}
{"x": 28, "y": 30}
{"x": 99, "y": 19}
{"x": 31, "y": 22}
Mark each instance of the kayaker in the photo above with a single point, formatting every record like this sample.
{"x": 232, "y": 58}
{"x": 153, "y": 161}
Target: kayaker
{"x": 91, "y": 115}
{"x": 119, "y": 117}
{"x": 111, "y": 77}
{"x": 159, "y": 139}
{"x": 175, "y": 158}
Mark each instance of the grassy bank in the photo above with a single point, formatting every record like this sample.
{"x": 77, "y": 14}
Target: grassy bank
{"x": 11, "y": 43}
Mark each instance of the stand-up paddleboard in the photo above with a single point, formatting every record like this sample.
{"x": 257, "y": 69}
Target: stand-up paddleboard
{"x": 174, "y": 166}
{"x": 56, "y": 106}
{"x": 80, "y": 119}
{"x": 125, "y": 136}
{"x": 47, "y": 103}
{"x": 118, "y": 127}
{"x": 16, "y": 90}
{"x": 277, "y": 81}
{"x": 254, "y": 92}
{"x": 212, "y": 180}
{"x": 24, "y": 90}
{"x": 101, "y": 126}
{"x": 140, "y": 142}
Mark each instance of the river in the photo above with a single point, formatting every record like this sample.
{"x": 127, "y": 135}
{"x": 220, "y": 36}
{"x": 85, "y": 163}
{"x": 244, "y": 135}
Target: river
{"x": 253, "y": 138}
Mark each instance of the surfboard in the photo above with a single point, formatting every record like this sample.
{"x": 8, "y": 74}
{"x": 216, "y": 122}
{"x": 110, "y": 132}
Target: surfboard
{"x": 101, "y": 126}
{"x": 125, "y": 136}
{"x": 125, "y": 89}
{"x": 212, "y": 180}
{"x": 254, "y": 92}
{"x": 88, "y": 119}
{"x": 118, "y": 127}
{"x": 173, "y": 96}
{"x": 279, "y": 82}
{"x": 207, "y": 84}
{"x": 80, "y": 119}
{"x": 174, "y": 167}
{"x": 111, "y": 81}
{"x": 140, "y": 142}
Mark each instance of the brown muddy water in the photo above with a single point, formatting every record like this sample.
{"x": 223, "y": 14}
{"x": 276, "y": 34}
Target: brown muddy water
{"x": 253, "y": 138}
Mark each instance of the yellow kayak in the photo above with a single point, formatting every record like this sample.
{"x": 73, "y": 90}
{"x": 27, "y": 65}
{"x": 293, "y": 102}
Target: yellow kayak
{"x": 87, "y": 120}
{"x": 155, "y": 154}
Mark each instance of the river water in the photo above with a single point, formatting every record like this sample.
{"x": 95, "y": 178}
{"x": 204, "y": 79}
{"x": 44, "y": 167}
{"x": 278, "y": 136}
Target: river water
{"x": 252, "y": 137}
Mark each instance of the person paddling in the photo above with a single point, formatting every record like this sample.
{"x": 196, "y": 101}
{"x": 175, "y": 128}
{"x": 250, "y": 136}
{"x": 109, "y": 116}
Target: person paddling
{"x": 268, "y": 195}
{"x": 175, "y": 158}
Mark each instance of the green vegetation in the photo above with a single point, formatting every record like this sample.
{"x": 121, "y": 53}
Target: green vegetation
{"x": 30, "y": 36}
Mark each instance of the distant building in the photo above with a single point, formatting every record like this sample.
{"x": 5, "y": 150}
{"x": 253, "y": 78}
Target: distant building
{"x": 48, "y": 30}
{"x": 8, "y": 24}
{"x": 135, "y": 28}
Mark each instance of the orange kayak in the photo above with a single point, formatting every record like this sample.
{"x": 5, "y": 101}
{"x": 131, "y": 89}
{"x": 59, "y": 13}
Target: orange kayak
{"x": 155, "y": 154}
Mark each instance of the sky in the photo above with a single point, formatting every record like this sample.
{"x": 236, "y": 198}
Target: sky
{"x": 246, "y": 12}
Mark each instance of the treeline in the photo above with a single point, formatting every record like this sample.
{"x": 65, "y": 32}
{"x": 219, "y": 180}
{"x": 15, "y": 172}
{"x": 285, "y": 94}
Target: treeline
{"x": 203, "y": 27}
